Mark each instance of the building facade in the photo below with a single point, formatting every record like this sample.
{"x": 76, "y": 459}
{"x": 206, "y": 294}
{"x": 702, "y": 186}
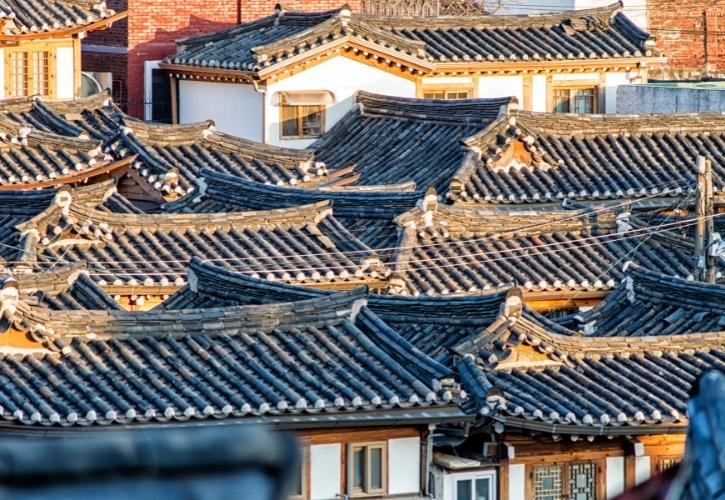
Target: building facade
{"x": 262, "y": 80}
{"x": 40, "y": 46}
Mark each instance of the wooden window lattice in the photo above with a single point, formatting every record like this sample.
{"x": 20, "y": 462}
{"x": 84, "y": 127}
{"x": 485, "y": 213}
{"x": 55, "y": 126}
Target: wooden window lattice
{"x": 548, "y": 484}
{"x": 582, "y": 481}
{"x": 667, "y": 463}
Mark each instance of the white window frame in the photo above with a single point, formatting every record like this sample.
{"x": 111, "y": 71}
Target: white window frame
{"x": 148, "y": 92}
{"x": 472, "y": 475}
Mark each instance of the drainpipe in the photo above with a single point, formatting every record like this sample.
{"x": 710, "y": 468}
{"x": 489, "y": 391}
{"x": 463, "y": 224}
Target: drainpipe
{"x": 239, "y": 11}
{"x": 429, "y": 459}
{"x": 262, "y": 90}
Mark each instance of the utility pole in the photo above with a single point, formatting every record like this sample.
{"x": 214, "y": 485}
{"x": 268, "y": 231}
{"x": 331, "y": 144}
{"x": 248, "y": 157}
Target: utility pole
{"x": 706, "y": 265}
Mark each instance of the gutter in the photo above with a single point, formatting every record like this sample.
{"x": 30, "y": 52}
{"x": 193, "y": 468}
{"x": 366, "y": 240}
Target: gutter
{"x": 623, "y": 430}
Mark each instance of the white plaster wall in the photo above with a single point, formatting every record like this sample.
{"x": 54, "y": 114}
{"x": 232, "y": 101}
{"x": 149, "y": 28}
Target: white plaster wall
{"x": 341, "y": 76}
{"x": 517, "y": 482}
{"x": 611, "y": 82}
{"x": 64, "y": 80}
{"x": 615, "y": 476}
{"x": 501, "y": 86}
{"x": 538, "y": 93}
{"x": 594, "y": 77}
{"x": 325, "y": 471}
{"x": 642, "y": 469}
{"x": 235, "y": 108}
{"x": 404, "y": 465}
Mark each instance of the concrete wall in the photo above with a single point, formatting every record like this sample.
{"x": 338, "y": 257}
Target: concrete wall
{"x": 235, "y": 108}
{"x": 636, "y": 99}
{"x": 341, "y": 76}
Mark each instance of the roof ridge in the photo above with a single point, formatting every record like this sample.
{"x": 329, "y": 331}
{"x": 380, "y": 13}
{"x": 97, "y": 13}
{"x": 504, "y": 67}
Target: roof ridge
{"x": 331, "y": 308}
{"x": 453, "y": 112}
{"x": 605, "y": 12}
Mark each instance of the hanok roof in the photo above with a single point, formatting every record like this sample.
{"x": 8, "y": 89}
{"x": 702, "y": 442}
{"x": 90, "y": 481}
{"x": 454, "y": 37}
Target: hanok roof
{"x": 533, "y": 379}
{"x": 23, "y": 17}
{"x": 308, "y": 359}
{"x": 367, "y": 212}
{"x": 546, "y": 157}
{"x": 457, "y": 250}
{"x": 432, "y": 324}
{"x": 169, "y": 157}
{"x": 17, "y": 207}
{"x": 35, "y": 158}
{"x": 267, "y": 44}
{"x": 304, "y": 244}
{"x": 650, "y": 303}
{"x": 391, "y": 140}
{"x": 185, "y": 150}
{"x": 60, "y": 288}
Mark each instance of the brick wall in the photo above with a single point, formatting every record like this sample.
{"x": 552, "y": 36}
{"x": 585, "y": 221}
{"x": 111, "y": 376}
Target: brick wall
{"x": 254, "y": 9}
{"x": 680, "y": 28}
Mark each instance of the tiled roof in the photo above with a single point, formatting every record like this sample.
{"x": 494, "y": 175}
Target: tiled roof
{"x": 432, "y": 324}
{"x": 265, "y": 44}
{"x": 37, "y": 16}
{"x": 17, "y": 207}
{"x": 305, "y": 358}
{"x": 303, "y": 244}
{"x": 61, "y": 288}
{"x": 169, "y": 157}
{"x": 185, "y": 150}
{"x": 455, "y": 250}
{"x": 650, "y": 303}
{"x": 402, "y": 140}
{"x": 367, "y": 212}
{"x": 29, "y": 157}
{"x": 546, "y": 157}
{"x": 531, "y": 378}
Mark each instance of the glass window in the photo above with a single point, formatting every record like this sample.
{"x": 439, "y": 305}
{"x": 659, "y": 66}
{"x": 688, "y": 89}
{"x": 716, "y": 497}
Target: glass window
{"x": 575, "y": 100}
{"x": 475, "y": 488}
{"x": 367, "y": 468}
{"x": 449, "y": 95}
{"x": 304, "y": 121}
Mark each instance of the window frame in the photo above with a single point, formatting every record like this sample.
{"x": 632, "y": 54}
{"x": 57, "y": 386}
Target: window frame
{"x": 446, "y": 90}
{"x": 367, "y": 490}
{"x": 299, "y": 116}
{"x": 570, "y": 86}
{"x": 32, "y": 82}
{"x": 473, "y": 476}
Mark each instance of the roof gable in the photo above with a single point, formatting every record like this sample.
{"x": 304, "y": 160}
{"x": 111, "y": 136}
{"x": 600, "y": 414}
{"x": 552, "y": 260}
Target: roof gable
{"x": 545, "y": 157}
{"x": 419, "y": 44}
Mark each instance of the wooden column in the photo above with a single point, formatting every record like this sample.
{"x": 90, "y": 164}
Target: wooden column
{"x": 174, "y": 99}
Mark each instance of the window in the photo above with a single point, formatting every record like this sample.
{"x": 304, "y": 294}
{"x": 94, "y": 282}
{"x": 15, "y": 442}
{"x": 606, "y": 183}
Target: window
{"x": 302, "y": 122}
{"x": 302, "y": 113}
{"x": 575, "y": 100}
{"x": 475, "y": 487}
{"x": 577, "y": 480}
{"x": 29, "y": 74}
{"x": 367, "y": 472}
{"x": 448, "y": 95}
{"x": 666, "y": 463}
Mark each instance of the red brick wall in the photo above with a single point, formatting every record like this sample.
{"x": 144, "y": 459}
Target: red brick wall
{"x": 153, "y": 27}
{"x": 254, "y": 9}
{"x": 680, "y": 28}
